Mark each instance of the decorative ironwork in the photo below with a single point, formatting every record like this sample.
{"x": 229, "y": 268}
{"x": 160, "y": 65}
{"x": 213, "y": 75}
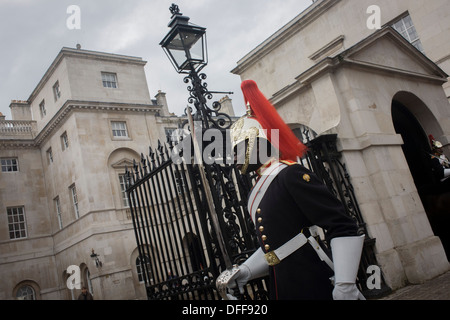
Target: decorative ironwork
{"x": 174, "y": 9}
{"x": 198, "y": 96}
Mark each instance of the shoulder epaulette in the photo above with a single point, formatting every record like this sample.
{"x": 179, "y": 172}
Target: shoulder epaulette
{"x": 288, "y": 162}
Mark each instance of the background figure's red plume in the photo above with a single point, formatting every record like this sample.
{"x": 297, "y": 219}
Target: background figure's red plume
{"x": 431, "y": 138}
{"x": 290, "y": 146}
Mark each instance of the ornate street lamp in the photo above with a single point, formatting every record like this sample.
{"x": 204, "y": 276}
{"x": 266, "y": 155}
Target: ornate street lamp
{"x": 185, "y": 46}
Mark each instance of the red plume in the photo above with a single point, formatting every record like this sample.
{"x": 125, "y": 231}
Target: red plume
{"x": 431, "y": 138}
{"x": 290, "y": 146}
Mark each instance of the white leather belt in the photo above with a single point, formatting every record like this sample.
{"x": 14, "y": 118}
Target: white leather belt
{"x": 276, "y": 256}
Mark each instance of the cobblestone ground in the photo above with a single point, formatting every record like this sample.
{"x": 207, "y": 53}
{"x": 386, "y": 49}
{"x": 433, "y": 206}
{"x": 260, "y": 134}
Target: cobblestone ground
{"x": 434, "y": 289}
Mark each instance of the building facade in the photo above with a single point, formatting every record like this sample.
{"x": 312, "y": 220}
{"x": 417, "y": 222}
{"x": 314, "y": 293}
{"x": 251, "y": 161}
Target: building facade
{"x": 377, "y": 77}
{"x": 65, "y": 216}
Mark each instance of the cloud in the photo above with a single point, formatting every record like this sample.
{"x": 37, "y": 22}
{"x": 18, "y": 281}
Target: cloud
{"x": 35, "y": 31}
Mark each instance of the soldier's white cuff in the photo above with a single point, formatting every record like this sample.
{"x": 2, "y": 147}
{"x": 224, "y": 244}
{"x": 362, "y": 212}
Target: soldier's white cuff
{"x": 346, "y": 256}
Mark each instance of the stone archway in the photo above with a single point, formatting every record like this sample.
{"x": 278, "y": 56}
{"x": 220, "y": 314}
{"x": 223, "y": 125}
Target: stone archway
{"x": 414, "y": 121}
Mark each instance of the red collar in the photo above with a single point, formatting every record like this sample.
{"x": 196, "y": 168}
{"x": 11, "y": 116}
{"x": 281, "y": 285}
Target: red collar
{"x": 265, "y": 166}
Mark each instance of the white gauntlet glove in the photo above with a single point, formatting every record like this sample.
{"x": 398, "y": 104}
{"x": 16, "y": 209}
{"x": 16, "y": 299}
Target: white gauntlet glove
{"x": 254, "y": 267}
{"x": 346, "y": 256}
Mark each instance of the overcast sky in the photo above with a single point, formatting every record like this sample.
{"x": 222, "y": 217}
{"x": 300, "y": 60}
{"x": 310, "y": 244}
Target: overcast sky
{"x": 32, "y": 32}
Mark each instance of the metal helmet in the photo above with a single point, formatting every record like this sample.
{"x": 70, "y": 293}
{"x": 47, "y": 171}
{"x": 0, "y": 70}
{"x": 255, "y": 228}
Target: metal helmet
{"x": 259, "y": 122}
{"x": 247, "y": 128}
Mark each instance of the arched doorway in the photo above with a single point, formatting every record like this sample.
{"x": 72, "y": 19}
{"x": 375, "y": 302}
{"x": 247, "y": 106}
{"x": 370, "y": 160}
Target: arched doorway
{"x": 413, "y": 121}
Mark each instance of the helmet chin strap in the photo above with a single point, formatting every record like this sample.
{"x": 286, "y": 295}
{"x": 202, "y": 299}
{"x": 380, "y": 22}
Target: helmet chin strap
{"x": 251, "y": 141}
{"x": 252, "y": 154}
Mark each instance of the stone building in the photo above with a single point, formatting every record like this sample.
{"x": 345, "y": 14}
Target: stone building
{"x": 377, "y": 77}
{"x": 63, "y": 208}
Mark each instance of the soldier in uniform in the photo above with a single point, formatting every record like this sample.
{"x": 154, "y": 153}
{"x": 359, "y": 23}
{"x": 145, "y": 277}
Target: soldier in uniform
{"x": 285, "y": 203}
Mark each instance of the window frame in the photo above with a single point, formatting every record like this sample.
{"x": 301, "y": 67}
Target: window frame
{"x": 49, "y": 153}
{"x": 122, "y": 183}
{"x": 74, "y": 198}
{"x": 5, "y": 166}
{"x": 57, "y": 203}
{"x": 26, "y": 288}
{"x": 10, "y": 215}
{"x": 64, "y": 141}
{"x": 108, "y": 82}
{"x": 140, "y": 269}
{"x": 169, "y": 134}
{"x": 42, "y": 109}
{"x": 404, "y": 30}
{"x": 56, "y": 90}
{"x": 125, "y": 129}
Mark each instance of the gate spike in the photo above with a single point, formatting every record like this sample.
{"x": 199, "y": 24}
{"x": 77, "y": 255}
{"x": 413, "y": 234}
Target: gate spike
{"x": 166, "y": 150}
{"x": 144, "y": 163}
{"x": 136, "y": 170}
{"x": 160, "y": 147}
{"x": 150, "y": 167}
{"x": 150, "y": 152}
{"x": 152, "y": 156}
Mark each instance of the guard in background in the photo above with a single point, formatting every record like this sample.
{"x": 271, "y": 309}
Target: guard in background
{"x": 440, "y": 163}
{"x": 287, "y": 201}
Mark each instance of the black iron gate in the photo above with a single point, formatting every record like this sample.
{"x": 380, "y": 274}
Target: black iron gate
{"x": 174, "y": 226}
{"x": 181, "y": 249}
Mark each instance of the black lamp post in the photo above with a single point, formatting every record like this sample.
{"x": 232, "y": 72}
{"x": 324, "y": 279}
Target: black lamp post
{"x": 185, "y": 46}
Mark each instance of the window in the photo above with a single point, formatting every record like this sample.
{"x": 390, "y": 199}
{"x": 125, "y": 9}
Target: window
{"x": 26, "y": 293}
{"x": 171, "y": 134}
{"x": 16, "y": 222}
{"x": 58, "y": 211}
{"x": 406, "y": 28}
{"x": 73, "y": 194}
{"x": 122, "y": 181}
{"x": 10, "y": 165}
{"x": 143, "y": 266}
{"x": 64, "y": 141}
{"x": 42, "y": 108}
{"x": 109, "y": 80}
{"x": 49, "y": 156}
{"x": 119, "y": 129}
{"x": 56, "y": 90}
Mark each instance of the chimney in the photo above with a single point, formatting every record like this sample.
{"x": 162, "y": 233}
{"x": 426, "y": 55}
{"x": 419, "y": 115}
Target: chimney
{"x": 162, "y": 101}
{"x": 20, "y": 110}
{"x": 227, "y": 106}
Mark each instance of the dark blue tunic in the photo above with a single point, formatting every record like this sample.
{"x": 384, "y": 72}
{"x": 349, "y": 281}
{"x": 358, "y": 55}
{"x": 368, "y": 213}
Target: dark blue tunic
{"x": 295, "y": 200}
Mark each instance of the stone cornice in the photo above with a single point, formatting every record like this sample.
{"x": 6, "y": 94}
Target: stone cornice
{"x": 17, "y": 144}
{"x": 61, "y": 116}
{"x": 285, "y": 33}
{"x": 72, "y": 105}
